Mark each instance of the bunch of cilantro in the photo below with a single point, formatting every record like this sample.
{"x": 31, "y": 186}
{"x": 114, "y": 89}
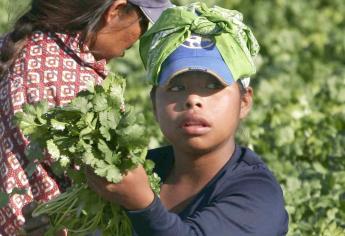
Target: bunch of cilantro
{"x": 95, "y": 129}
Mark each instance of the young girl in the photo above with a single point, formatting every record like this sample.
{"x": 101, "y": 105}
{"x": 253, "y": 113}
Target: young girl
{"x": 210, "y": 184}
{"x": 54, "y": 50}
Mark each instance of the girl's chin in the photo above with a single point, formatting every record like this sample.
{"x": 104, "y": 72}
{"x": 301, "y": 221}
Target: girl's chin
{"x": 201, "y": 145}
{"x": 197, "y": 146}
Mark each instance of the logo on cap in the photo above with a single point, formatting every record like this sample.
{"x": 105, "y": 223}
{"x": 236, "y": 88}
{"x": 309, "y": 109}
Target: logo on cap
{"x": 198, "y": 42}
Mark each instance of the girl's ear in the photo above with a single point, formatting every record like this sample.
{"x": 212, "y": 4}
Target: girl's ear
{"x": 114, "y": 10}
{"x": 246, "y": 102}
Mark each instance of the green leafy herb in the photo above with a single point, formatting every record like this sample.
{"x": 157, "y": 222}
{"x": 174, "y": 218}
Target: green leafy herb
{"x": 97, "y": 130}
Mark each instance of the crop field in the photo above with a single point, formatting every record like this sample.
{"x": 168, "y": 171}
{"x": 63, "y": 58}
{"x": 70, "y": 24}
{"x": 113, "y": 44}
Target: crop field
{"x": 297, "y": 123}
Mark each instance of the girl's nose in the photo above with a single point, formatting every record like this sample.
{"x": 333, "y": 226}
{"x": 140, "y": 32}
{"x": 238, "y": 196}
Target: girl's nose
{"x": 193, "y": 101}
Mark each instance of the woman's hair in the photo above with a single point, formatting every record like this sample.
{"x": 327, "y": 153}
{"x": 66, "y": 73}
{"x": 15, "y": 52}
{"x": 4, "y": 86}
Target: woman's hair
{"x": 63, "y": 16}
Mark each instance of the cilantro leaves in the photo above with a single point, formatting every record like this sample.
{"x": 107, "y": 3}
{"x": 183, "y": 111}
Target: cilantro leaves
{"x": 94, "y": 129}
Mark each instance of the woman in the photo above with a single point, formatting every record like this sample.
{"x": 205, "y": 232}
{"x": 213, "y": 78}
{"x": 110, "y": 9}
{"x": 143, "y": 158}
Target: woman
{"x": 54, "y": 50}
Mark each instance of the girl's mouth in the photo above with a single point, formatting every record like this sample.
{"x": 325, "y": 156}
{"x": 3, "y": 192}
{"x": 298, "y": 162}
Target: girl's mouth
{"x": 195, "y": 126}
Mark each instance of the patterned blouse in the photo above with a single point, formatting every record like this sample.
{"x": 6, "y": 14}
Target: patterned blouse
{"x": 51, "y": 66}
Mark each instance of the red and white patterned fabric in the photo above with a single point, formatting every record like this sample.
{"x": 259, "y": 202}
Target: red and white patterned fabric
{"x": 51, "y": 66}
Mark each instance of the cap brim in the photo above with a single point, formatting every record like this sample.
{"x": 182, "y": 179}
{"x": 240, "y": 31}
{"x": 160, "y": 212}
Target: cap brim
{"x": 153, "y": 13}
{"x": 222, "y": 73}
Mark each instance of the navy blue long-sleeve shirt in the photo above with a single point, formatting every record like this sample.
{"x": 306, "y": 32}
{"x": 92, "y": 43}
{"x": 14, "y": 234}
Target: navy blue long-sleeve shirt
{"x": 243, "y": 199}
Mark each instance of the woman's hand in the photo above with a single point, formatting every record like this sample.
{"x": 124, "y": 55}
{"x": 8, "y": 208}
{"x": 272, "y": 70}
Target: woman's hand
{"x": 133, "y": 192}
{"x": 36, "y": 226}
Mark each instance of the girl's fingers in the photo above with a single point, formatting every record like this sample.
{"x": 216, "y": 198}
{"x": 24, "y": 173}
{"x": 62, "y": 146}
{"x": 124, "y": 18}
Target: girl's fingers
{"x": 62, "y": 232}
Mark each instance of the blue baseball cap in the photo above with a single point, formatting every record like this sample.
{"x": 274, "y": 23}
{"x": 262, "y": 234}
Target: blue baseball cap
{"x": 197, "y": 53}
{"x": 152, "y": 8}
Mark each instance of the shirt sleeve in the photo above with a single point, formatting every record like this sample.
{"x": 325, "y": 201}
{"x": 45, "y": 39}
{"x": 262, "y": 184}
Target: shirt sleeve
{"x": 252, "y": 205}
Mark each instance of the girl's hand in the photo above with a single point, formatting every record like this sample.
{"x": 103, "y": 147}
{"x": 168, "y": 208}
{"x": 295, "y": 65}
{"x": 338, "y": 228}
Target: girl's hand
{"x": 36, "y": 226}
{"x": 133, "y": 192}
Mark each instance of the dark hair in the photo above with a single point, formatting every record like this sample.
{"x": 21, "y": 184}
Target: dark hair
{"x": 243, "y": 90}
{"x": 63, "y": 16}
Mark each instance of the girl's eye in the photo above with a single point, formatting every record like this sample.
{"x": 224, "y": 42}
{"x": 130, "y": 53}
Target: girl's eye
{"x": 214, "y": 85}
{"x": 176, "y": 88}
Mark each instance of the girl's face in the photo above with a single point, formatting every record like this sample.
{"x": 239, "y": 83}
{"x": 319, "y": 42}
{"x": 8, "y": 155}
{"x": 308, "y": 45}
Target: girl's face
{"x": 123, "y": 27}
{"x": 198, "y": 113}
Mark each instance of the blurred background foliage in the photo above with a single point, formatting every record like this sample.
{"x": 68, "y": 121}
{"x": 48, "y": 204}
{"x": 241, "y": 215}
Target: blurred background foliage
{"x": 298, "y": 119}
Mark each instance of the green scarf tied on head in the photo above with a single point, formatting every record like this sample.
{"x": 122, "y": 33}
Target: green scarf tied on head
{"x": 233, "y": 38}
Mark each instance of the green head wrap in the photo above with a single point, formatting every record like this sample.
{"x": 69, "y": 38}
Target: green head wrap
{"x": 233, "y": 38}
